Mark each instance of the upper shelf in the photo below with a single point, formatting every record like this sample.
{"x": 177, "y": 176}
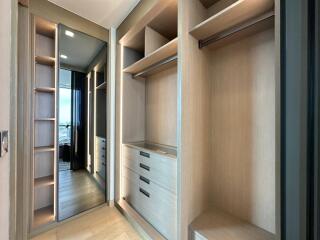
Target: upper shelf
{"x": 45, "y": 27}
{"x": 102, "y": 86}
{"x": 45, "y": 60}
{"x": 217, "y": 225}
{"x": 166, "y": 51}
{"x": 236, "y": 13}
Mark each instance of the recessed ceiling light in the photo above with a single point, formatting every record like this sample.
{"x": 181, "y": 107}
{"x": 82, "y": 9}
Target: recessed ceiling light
{"x": 69, "y": 33}
{"x": 63, "y": 56}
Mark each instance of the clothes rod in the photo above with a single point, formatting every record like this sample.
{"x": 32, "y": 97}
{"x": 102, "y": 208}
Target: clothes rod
{"x": 155, "y": 66}
{"x": 260, "y": 20}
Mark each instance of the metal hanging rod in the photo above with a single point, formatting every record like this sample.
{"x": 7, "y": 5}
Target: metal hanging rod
{"x": 155, "y": 66}
{"x": 260, "y": 20}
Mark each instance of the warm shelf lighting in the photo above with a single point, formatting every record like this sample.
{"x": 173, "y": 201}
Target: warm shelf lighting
{"x": 63, "y": 56}
{"x": 69, "y": 33}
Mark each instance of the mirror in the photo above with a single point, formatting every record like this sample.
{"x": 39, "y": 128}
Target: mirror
{"x": 82, "y": 108}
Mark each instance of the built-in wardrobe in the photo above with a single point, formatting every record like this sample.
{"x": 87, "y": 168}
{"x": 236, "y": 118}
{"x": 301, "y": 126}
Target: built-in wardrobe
{"x": 198, "y": 112}
{"x": 148, "y": 164}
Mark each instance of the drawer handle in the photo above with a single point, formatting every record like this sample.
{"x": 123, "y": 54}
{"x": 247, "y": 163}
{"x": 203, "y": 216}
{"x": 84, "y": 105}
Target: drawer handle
{"x": 144, "y": 154}
{"x": 103, "y": 148}
{"x": 143, "y": 179}
{"x": 144, "y": 167}
{"x": 144, "y": 192}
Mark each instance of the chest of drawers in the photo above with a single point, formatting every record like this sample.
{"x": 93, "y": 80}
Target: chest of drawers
{"x": 150, "y": 186}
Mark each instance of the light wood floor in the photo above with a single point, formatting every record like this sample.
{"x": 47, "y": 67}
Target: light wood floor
{"x": 105, "y": 223}
{"x": 78, "y": 192}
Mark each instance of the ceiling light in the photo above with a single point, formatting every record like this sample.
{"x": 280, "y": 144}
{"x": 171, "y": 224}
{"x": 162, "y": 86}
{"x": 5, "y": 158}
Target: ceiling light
{"x": 63, "y": 56}
{"x": 69, "y": 33}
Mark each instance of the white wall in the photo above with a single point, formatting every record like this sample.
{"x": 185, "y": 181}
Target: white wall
{"x": 5, "y": 37}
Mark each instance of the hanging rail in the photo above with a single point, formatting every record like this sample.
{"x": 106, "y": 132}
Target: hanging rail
{"x": 260, "y": 20}
{"x": 155, "y": 66}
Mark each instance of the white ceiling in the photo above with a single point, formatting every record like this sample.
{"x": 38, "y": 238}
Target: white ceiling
{"x": 106, "y": 13}
{"x": 80, "y": 49}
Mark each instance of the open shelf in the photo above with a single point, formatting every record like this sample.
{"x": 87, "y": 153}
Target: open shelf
{"x": 232, "y": 15}
{"x": 44, "y": 181}
{"x": 45, "y": 119}
{"x": 45, "y": 60}
{"x": 43, "y": 216}
{"x": 45, "y": 89}
{"x": 45, "y": 27}
{"x": 218, "y": 225}
{"x": 102, "y": 86}
{"x": 166, "y": 51}
{"x": 44, "y": 149}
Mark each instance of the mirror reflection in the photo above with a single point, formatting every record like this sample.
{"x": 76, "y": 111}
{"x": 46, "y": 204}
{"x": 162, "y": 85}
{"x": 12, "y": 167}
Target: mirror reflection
{"x": 82, "y": 122}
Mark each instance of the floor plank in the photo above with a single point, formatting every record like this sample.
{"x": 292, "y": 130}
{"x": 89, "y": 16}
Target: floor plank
{"x": 78, "y": 192}
{"x": 102, "y": 224}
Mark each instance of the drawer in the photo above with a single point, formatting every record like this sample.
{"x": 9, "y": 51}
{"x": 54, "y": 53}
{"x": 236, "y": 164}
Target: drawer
{"x": 101, "y": 156}
{"x": 101, "y": 144}
{"x": 159, "y": 207}
{"x": 131, "y": 188}
{"x": 102, "y": 170}
{"x": 130, "y": 158}
{"x": 159, "y": 169}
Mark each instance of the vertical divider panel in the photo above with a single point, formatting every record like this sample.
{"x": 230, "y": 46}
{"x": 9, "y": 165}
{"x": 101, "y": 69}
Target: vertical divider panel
{"x": 153, "y": 40}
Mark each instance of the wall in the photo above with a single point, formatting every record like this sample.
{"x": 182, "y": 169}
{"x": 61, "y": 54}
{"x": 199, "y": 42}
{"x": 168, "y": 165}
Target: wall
{"x": 57, "y": 14}
{"x": 242, "y": 180}
{"x": 161, "y": 107}
{"x": 5, "y": 46}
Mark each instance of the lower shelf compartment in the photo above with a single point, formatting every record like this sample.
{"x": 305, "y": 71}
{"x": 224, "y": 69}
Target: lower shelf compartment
{"x": 138, "y": 221}
{"x": 43, "y": 216}
{"x": 217, "y": 225}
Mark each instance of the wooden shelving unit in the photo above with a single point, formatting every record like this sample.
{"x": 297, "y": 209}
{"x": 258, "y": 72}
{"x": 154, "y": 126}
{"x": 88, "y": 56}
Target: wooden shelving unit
{"x": 45, "y": 119}
{"x": 44, "y": 149}
{"x": 44, "y": 181}
{"x": 102, "y": 86}
{"x": 45, "y": 60}
{"x": 232, "y": 15}
{"x": 44, "y": 122}
{"x": 45, "y": 89}
{"x": 149, "y": 107}
{"x": 164, "y": 52}
{"x": 43, "y": 216}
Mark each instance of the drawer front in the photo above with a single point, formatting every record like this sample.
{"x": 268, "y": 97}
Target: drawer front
{"x": 101, "y": 156}
{"x": 159, "y": 169}
{"x": 159, "y": 207}
{"x": 131, "y": 188}
{"x": 102, "y": 170}
{"x": 130, "y": 158}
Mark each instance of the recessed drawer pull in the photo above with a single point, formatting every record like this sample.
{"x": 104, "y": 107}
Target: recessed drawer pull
{"x": 144, "y": 192}
{"x": 143, "y": 179}
{"x": 144, "y": 154}
{"x": 144, "y": 167}
{"x": 103, "y": 148}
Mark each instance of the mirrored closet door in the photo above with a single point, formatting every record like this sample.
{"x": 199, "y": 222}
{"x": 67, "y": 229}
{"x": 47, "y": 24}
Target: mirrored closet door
{"x": 82, "y": 103}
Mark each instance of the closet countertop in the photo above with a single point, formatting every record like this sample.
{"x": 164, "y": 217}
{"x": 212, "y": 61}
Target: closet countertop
{"x": 167, "y": 151}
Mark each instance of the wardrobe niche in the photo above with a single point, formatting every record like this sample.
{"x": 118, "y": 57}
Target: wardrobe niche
{"x": 232, "y": 73}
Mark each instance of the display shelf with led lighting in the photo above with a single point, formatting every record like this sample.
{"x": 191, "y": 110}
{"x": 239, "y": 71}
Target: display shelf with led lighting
{"x": 44, "y": 137}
